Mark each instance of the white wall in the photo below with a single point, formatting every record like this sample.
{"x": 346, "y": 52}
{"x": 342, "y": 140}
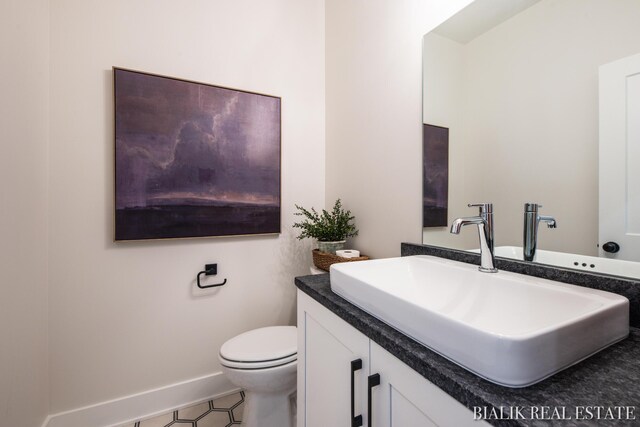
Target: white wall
{"x": 373, "y": 104}
{"x": 125, "y": 317}
{"x": 24, "y": 47}
{"x": 531, "y": 119}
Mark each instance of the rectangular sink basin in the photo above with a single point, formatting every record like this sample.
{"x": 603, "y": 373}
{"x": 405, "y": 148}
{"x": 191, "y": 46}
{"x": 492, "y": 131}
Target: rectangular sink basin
{"x": 508, "y": 328}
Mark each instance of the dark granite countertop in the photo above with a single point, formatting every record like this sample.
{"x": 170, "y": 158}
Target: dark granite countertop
{"x": 610, "y": 378}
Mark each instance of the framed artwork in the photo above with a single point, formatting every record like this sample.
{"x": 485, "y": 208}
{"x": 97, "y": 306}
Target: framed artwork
{"x": 193, "y": 159}
{"x": 435, "y": 175}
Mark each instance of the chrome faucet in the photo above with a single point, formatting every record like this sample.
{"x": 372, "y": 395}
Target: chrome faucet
{"x": 484, "y": 221}
{"x": 531, "y": 222}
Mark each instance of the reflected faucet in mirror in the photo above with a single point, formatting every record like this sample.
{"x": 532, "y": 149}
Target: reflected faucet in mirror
{"x": 484, "y": 221}
{"x": 531, "y": 222}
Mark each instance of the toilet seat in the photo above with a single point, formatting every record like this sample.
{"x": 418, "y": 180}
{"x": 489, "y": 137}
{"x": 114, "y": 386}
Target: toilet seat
{"x": 259, "y": 365}
{"x": 262, "y": 348}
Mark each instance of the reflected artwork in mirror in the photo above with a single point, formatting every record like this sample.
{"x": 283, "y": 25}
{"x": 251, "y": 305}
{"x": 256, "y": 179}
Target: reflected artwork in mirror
{"x": 435, "y": 175}
{"x": 541, "y": 100}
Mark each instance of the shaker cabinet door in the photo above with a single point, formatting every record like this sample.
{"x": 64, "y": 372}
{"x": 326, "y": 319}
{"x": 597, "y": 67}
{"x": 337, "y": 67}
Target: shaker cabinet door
{"x": 405, "y": 398}
{"x": 332, "y": 368}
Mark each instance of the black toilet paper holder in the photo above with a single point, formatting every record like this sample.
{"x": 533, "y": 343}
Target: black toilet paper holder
{"x": 209, "y": 270}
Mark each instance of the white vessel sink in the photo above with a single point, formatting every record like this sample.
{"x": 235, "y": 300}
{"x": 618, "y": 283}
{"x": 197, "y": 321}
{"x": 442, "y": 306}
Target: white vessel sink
{"x": 511, "y": 329}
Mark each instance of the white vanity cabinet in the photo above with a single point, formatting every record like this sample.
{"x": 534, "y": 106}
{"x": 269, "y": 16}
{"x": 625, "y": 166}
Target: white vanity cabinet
{"x": 406, "y": 399}
{"x": 327, "y": 346}
{"x": 338, "y": 365}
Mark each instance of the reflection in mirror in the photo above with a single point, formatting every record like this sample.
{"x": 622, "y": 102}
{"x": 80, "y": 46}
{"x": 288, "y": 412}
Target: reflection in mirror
{"x": 541, "y": 99}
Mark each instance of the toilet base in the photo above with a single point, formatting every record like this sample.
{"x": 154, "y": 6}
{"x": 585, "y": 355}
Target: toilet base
{"x": 268, "y": 410}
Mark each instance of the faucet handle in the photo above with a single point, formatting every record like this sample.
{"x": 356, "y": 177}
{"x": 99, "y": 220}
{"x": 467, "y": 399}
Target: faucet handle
{"x": 484, "y": 207}
{"x": 532, "y": 207}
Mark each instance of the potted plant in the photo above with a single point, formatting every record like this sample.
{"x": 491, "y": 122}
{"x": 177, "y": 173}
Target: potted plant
{"x": 331, "y": 229}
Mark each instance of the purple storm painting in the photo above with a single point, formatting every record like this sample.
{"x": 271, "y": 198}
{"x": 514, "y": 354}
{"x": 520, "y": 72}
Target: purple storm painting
{"x": 194, "y": 160}
{"x": 435, "y": 182}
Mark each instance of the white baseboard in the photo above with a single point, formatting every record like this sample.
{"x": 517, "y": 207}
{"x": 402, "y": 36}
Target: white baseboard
{"x": 144, "y": 405}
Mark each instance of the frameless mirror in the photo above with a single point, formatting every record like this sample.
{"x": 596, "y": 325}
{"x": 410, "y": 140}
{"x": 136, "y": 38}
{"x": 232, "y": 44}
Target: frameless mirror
{"x": 539, "y": 102}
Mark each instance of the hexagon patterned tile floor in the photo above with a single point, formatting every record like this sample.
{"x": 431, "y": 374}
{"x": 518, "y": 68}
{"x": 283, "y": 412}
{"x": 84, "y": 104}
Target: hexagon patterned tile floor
{"x": 223, "y": 412}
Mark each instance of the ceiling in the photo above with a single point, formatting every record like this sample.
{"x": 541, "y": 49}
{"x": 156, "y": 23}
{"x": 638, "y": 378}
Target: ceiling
{"x": 479, "y": 17}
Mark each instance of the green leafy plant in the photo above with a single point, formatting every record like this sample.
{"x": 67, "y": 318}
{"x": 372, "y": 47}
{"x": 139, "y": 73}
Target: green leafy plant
{"x": 327, "y": 226}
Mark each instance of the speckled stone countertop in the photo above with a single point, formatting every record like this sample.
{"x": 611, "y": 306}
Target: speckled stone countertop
{"x": 610, "y": 378}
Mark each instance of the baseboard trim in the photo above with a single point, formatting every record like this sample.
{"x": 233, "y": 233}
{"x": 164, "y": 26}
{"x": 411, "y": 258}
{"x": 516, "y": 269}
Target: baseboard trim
{"x": 144, "y": 405}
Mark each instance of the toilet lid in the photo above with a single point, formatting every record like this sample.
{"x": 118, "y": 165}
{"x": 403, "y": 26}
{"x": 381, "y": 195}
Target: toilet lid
{"x": 272, "y": 343}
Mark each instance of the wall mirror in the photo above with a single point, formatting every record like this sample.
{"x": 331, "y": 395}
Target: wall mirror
{"x": 539, "y": 102}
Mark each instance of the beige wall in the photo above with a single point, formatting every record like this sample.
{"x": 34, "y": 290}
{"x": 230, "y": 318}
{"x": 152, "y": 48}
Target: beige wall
{"x": 125, "y": 317}
{"x": 374, "y": 104}
{"x": 531, "y": 119}
{"x": 24, "y": 47}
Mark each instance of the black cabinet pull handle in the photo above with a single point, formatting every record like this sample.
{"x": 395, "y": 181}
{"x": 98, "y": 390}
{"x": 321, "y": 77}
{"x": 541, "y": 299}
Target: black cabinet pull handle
{"x": 374, "y": 380}
{"x": 356, "y": 421}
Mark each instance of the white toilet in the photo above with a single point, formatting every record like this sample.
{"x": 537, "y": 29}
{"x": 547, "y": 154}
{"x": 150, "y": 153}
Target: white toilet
{"x": 263, "y": 362}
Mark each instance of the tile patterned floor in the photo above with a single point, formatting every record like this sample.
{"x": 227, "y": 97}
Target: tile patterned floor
{"x": 223, "y": 412}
